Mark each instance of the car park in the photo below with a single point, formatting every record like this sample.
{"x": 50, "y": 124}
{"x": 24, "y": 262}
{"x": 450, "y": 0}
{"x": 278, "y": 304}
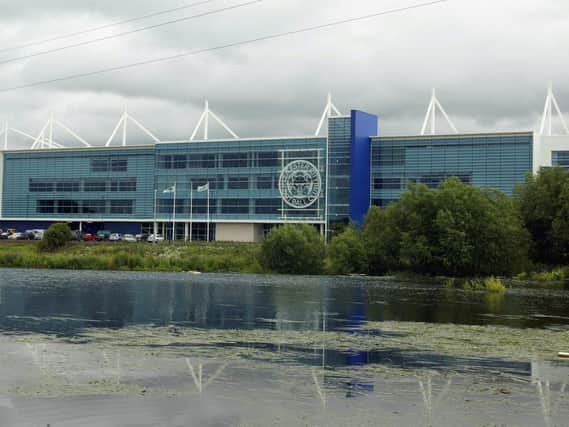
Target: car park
{"x": 129, "y": 238}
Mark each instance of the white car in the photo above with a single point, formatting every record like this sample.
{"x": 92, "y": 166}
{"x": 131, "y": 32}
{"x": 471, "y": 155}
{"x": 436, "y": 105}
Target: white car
{"x": 115, "y": 237}
{"x": 129, "y": 238}
{"x": 155, "y": 238}
{"x": 16, "y": 236}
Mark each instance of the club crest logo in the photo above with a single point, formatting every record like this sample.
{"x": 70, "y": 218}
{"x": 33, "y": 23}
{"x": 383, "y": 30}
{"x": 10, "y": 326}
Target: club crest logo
{"x": 300, "y": 184}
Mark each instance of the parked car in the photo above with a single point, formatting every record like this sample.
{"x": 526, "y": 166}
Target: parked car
{"x": 88, "y": 237}
{"x": 18, "y": 236}
{"x": 4, "y": 235}
{"x": 103, "y": 234}
{"x": 115, "y": 237}
{"x": 143, "y": 237}
{"x": 155, "y": 238}
{"x": 35, "y": 234}
{"x": 129, "y": 238}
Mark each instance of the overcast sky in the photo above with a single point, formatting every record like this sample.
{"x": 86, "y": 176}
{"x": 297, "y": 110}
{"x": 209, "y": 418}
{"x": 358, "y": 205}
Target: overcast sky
{"x": 490, "y": 60}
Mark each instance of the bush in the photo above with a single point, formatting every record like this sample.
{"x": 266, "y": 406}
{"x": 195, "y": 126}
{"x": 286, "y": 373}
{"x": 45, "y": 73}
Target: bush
{"x": 456, "y": 230}
{"x": 293, "y": 249}
{"x": 56, "y": 237}
{"x": 346, "y": 253}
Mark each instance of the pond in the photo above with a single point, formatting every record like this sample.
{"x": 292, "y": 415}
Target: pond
{"x": 118, "y": 348}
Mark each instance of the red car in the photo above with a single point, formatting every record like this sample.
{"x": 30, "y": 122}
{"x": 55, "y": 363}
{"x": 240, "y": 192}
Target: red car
{"x": 88, "y": 237}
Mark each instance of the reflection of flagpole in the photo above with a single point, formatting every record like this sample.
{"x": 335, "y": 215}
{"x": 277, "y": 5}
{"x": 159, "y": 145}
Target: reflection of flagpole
{"x": 208, "y": 215}
{"x": 191, "y": 209}
{"x": 174, "y": 216}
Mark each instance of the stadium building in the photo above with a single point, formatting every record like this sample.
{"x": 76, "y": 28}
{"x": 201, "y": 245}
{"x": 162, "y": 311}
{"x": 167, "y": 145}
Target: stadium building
{"x": 237, "y": 189}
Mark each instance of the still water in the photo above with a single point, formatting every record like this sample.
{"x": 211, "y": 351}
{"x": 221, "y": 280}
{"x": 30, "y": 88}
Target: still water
{"x": 105, "y": 348}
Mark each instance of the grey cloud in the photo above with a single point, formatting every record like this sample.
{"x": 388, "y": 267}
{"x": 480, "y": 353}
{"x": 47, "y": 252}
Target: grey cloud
{"x": 490, "y": 62}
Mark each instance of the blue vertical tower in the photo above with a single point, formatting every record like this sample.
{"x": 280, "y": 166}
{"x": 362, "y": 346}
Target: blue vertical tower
{"x": 363, "y": 127}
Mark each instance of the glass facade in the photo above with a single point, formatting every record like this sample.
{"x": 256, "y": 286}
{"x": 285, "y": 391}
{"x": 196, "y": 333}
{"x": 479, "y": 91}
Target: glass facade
{"x": 560, "y": 158}
{"x": 135, "y": 184}
{"x": 339, "y": 164}
{"x": 132, "y": 183}
{"x": 497, "y": 161}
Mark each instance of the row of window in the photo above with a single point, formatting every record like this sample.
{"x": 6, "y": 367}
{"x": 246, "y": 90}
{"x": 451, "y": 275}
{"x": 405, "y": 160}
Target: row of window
{"x": 261, "y": 159}
{"x": 226, "y": 206}
{"x": 219, "y": 182}
{"x": 431, "y": 181}
{"x": 120, "y": 207}
{"x": 118, "y": 164}
{"x": 88, "y": 185}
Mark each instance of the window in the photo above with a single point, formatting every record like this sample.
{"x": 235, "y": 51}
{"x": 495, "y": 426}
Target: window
{"x": 68, "y": 186}
{"x": 93, "y": 207}
{"x": 125, "y": 185}
{"x": 201, "y": 161}
{"x": 238, "y": 183}
{"x": 165, "y": 206}
{"x": 199, "y": 206}
{"x": 67, "y": 207}
{"x": 267, "y": 159}
{"x": 39, "y": 186}
{"x": 106, "y": 165}
{"x": 122, "y": 206}
{"x": 387, "y": 183}
{"x": 266, "y": 182}
{"x": 99, "y": 165}
{"x": 382, "y": 202}
{"x": 93, "y": 185}
{"x": 215, "y": 183}
{"x": 179, "y": 161}
{"x": 235, "y": 206}
{"x": 164, "y": 162}
{"x": 390, "y": 156}
{"x": 268, "y": 206}
{"x": 119, "y": 165}
{"x": 235, "y": 160}
{"x": 45, "y": 206}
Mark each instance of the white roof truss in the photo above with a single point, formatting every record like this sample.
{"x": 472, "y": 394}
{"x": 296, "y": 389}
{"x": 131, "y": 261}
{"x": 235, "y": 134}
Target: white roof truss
{"x": 329, "y": 111}
{"x": 547, "y": 120}
{"x": 204, "y": 122}
{"x": 123, "y": 123}
{"x": 45, "y": 137}
{"x": 6, "y": 130}
{"x": 431, "y": 116}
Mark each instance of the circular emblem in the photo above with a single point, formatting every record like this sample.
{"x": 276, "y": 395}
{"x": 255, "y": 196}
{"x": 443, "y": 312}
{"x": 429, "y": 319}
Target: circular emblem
{"x": 300, "y": 184}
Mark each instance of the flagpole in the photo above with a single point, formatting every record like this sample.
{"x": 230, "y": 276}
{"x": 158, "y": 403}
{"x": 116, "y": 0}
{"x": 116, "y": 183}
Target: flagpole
{"x": 208, "y": 216}
{"x": 174, "y": 216}
{"x": 155, "y": 214}
{"x": 191, "y": 208}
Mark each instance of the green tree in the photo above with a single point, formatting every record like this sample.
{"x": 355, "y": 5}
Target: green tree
{"x": 456, "y": 229}
{"x": 293, "y": 249}
{"x": 543, "y": 202}
{"x": 382, "y": 239}
{"x": 346, "y": 253}
{"x": 55, "y": 237}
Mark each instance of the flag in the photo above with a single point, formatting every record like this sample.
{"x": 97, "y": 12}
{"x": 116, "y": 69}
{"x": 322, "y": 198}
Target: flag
{"x": 203, "y": 188}
{"x": 171, "y": 189}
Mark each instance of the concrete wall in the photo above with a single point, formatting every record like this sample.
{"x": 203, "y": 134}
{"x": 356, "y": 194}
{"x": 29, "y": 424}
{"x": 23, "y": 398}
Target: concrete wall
{"x": 239, "y": 232}
{"x": 544, "y": 145}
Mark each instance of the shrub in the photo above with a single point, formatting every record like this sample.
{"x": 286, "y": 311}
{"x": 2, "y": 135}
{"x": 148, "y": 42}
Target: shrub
{"x": 493, "y": 284}
{"x": 56, "y": 237}
{"x": 293, "y": 249}
{"x": 346, "y": 253}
